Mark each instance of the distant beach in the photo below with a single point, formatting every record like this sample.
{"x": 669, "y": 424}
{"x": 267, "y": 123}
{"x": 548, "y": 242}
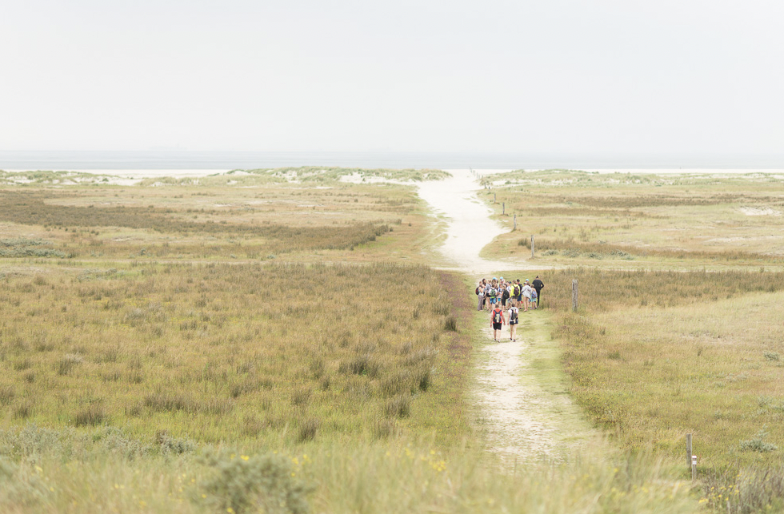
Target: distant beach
{"x": 197, "y": 163}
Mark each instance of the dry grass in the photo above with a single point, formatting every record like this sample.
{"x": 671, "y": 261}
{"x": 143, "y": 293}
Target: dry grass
{"x": 654, "y": 356}
{"x": 337, "y": 222}
{"x": 214, "y": 342}
{"x": 581, "y": 217}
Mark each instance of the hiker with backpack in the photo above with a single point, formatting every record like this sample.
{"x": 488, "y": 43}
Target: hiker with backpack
{"x": 516, "y": 290}
{"x": 504, "y": 294}
{"x": 513, "y": 320}
{"x": 480, "y": 295}
{"x": 493, "y": 292}
{"x": 497, "y": 320}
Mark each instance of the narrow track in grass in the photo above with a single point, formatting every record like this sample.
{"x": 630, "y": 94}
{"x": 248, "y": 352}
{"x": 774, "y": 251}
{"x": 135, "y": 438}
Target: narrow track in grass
{"x": 520, "y": 391}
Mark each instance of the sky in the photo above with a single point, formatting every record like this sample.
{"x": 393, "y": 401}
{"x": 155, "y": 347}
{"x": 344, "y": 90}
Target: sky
{"x": 561, "y": 76}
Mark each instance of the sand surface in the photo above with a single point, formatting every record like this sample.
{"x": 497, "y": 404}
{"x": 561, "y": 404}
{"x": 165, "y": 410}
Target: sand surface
{"x": 469, "y": 227}
{"x": 520, "y": 390}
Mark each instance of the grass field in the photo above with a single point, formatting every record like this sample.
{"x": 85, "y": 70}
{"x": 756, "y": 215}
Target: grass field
{"x": 656, "y": 355}
{"x": 272, "y": 341}
{"x": 627, "y": 221}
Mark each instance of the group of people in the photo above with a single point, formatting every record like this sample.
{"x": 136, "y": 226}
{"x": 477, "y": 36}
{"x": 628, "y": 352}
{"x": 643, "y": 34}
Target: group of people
{"x": 497, "y": 294}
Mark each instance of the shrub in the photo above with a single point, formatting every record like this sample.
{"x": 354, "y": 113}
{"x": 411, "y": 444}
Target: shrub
{"x": 308, "y": 429}
{"x": 66, "y": 364}
{"x": 361, "y": 365}
{"x": 399, "y": 406}
{"x": 169, "y": 445}
{"x": 90, "y": 417}
{"x": 301, "y": 396}
{"x": 23, "y": 411}
{"x": 450, "y": 324}
{"x": 7, "y": 394}
{"x": 383, "y": 428}
{"x": 423, "y": 379}
{"x": 771, "y": 356}
{"x": 758, "y": 444}
{"x": 261, "y": 483}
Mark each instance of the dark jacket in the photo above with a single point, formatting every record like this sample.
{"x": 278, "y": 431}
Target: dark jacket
{"x": 538, "y": 284}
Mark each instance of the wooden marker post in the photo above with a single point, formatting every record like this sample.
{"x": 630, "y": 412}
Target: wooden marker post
{"x": 574, "y": 298}
{"x": 503, "y": 209}
{"x": 693, "y": 468}
{"x": 493, "y": 197}
{"x": 532, "y": 246}
{"x": 688, "y": 450}
{"x": 515, "y": 222}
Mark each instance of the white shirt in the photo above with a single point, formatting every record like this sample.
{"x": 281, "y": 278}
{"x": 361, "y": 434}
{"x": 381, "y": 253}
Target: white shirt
{"x": 527, "y": 291}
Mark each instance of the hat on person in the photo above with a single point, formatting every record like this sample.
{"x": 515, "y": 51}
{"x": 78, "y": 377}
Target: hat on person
{"x": 526, "y": 280}
{"x": 502, "y": 278}
{"x": 495, "y": 278}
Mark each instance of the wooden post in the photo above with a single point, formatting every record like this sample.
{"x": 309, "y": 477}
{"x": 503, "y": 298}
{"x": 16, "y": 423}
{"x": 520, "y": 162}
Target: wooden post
{"x": 532, "y": 246}
{"x": 693, "y": 468}
{"x": 493, "y": 197}
{"x": 574, "y": 295}
{"x": 503, "y": 209}
{"x": 688, "y": 450}
{"x": 515, "y": 222}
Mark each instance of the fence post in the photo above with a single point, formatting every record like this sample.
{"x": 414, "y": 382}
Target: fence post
{"x": 688, "y": 450}
{"x": 574, "y": 295}
{"x": 515, "y": 222}
{"x": 532, "y": 246}
{"x": 503, "y": 209}
{"x": 493, "y": 197}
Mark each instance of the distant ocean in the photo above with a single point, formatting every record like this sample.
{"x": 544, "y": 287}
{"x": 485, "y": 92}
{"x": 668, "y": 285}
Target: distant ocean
{"x": 196, "y": 160}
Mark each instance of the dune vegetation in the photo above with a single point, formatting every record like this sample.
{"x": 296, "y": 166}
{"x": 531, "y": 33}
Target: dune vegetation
{"x": 279, "y": 341}
{"x": 622, "y": 220}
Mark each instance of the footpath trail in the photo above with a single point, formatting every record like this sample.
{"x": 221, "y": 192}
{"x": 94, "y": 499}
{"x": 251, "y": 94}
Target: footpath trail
{"x": 520, "y": 389}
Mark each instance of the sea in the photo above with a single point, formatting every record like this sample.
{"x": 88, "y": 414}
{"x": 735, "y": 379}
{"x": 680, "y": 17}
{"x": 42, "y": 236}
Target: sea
{"x": 183, "y": 160}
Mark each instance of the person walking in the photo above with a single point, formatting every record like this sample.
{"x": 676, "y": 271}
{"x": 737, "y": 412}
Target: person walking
{"x": 497, "y": 320}
{"x": 538, "y": 285}
{"x": 504, "y": 294}
{"x": 526, "y": 295}
{"x": 480, "y": 295}
{"x": 513, "y": 320}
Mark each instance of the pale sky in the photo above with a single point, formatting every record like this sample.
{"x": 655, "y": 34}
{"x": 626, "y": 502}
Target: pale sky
{"x": 602, "y": 76}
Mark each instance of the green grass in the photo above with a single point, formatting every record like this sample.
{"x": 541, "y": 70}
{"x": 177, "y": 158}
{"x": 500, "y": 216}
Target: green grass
{"x": 102, "y": 469}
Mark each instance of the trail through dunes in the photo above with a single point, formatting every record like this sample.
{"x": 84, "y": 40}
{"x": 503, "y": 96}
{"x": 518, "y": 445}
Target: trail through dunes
{"x": 520, "y": 389}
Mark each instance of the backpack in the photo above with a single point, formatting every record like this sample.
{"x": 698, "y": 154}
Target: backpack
{"x": 477, "y": 291}
{"x": 493, "y": 292}
{"x": 514, "y": 315}
{"x": 496, "y": 316}
{"x": 516, "y": 290}
{"x": 505, "y": 295}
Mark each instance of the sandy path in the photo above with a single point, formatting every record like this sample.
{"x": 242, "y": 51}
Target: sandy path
{"x": 520, "y": 390}
{"x": 469, "y": 227}
{"x": 508, "y": 409}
